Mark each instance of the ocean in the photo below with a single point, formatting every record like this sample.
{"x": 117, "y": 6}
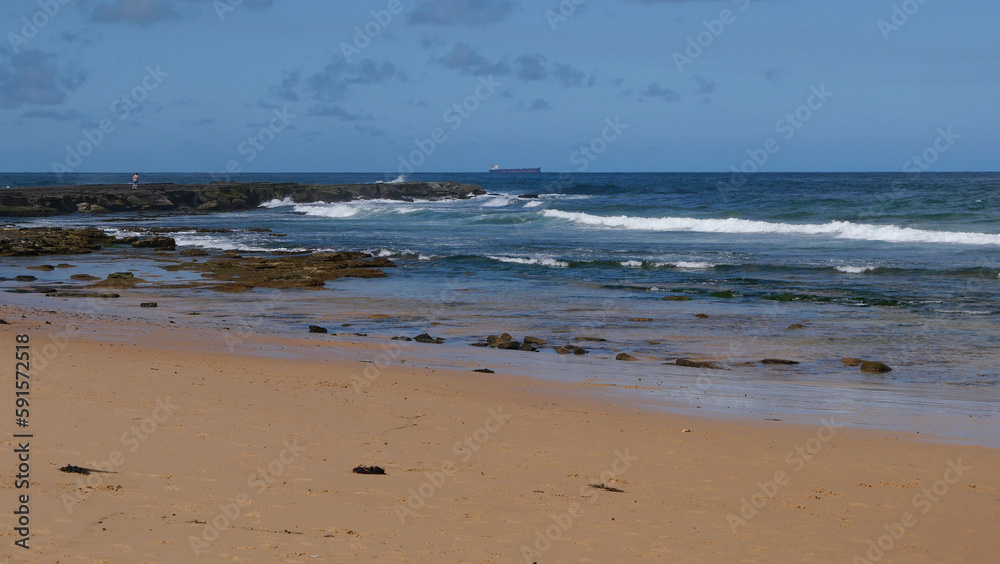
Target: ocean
{"x": 898, "y": 268}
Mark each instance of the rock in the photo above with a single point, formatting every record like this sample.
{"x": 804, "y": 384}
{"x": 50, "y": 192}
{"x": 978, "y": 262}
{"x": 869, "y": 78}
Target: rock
{"x": 65, "y": 265}
{"x": 4, "y": 322}
{"x": 214, "y": 196}
{"x": 293, "y": 270}
{"x": 571, "y": 349}
{"x": 676, "y": 298}
{"x": 379, "y": 316}
{"x": 148, "y": 304}
{"x": 372, "y": 470}
{"x": 701, "y": 316}
{"x": 592, "y": 339}
{"x": 493, "y": 340}
{"x": 872, "y": 366}
{"x": 158, "y": 243}
{"x": 696, "y": 364}
{"x": 479, "y": 344}
{"x": 528, "y": 196}
{"x": 119, "y": 280}
{"x": 535, "y": 341}
{"x": 528, "y": 347}
{"x": 232, "y": 255}
{"x": 407, "y": 339}
{"x": 778, "y": 361}
{"x": 83, "y": 277}
{"x": 626, "y": 357}
{"x": 484, "y": 371}
{"x": 425, "y": 338}
{"x": 506, "y": 337}
{"x": 37, "y": 241}
{"x": 101, "y": 295}
{"x": 25, "y": 278}
{"x": 193, "y": 253}
{"x": 641, "y": 319}
{"x": 654, "y": 342}
{"x": 509, "y": 345}
{"x": 795, "y": 326}
{"x": 317, "y": 329}
{"x": 852, "y": 362}
{"x": 727, "y": 294}
{"x": 43, "y": 267}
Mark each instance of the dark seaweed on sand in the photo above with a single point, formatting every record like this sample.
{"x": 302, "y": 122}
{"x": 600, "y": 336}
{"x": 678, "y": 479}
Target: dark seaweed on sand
{"x": 606, "y": 488}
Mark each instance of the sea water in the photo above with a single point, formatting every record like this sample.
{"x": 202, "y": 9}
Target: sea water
{"x": 898, "y": 268}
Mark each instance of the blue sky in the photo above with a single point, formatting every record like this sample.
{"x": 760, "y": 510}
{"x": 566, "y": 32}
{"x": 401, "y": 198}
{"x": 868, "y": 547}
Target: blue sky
{"x": 458, "y": 85}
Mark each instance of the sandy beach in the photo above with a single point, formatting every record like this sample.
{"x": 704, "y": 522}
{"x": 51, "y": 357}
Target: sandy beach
{"x": 242, "y": 450}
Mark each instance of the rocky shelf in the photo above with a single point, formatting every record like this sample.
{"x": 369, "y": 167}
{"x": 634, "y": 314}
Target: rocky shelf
{"x": 213, "y": 197}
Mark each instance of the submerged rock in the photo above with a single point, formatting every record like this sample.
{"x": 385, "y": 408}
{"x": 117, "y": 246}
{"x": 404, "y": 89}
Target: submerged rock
{"x": 425, "y": 338}
{"x": 778, "y": 361}
{"x": 317, "y": 329}
{"x": 696, "y": 364}
{"x": 626, "y": 357}
{"x": 535, "y": 341}
{"x": 571, "y": 349}
{"x": 852, "y": 362}
{"x": 873, "y": 366}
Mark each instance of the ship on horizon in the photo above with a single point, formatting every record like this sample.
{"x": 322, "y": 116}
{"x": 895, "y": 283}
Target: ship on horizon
{"x": 496, "y": 168}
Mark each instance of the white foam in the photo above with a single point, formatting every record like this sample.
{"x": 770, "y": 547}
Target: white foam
{"x": 534, "y": 204}
{"x": 327, "y": 210}
{"x": 224, "y": 244}
{"x": 689, "y": 265}
{"x": 544, "y": 261}
{"x": 276, "y": 203}
{"x": 855, "y": 269}
{"x": 498, "y": 202}
{"x": 632, "y": 264}
{"x": 398, "y": 180}
{"x": 838, "y": 229}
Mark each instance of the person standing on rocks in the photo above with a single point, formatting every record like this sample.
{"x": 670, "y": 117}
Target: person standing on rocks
{"x": 135, "y": 181}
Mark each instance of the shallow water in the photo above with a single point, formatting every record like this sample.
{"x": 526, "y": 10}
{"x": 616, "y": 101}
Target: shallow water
{"x": 897, "y": 268}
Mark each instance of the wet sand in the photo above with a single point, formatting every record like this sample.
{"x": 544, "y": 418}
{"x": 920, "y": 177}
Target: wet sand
{"x": 232, "y": 446}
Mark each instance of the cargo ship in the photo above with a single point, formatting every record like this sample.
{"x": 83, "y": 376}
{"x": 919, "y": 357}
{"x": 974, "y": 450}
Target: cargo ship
{"x": 496, "y": 168}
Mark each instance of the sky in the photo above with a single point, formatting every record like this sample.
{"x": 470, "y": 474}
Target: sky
{"x": 459, "y": 85}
